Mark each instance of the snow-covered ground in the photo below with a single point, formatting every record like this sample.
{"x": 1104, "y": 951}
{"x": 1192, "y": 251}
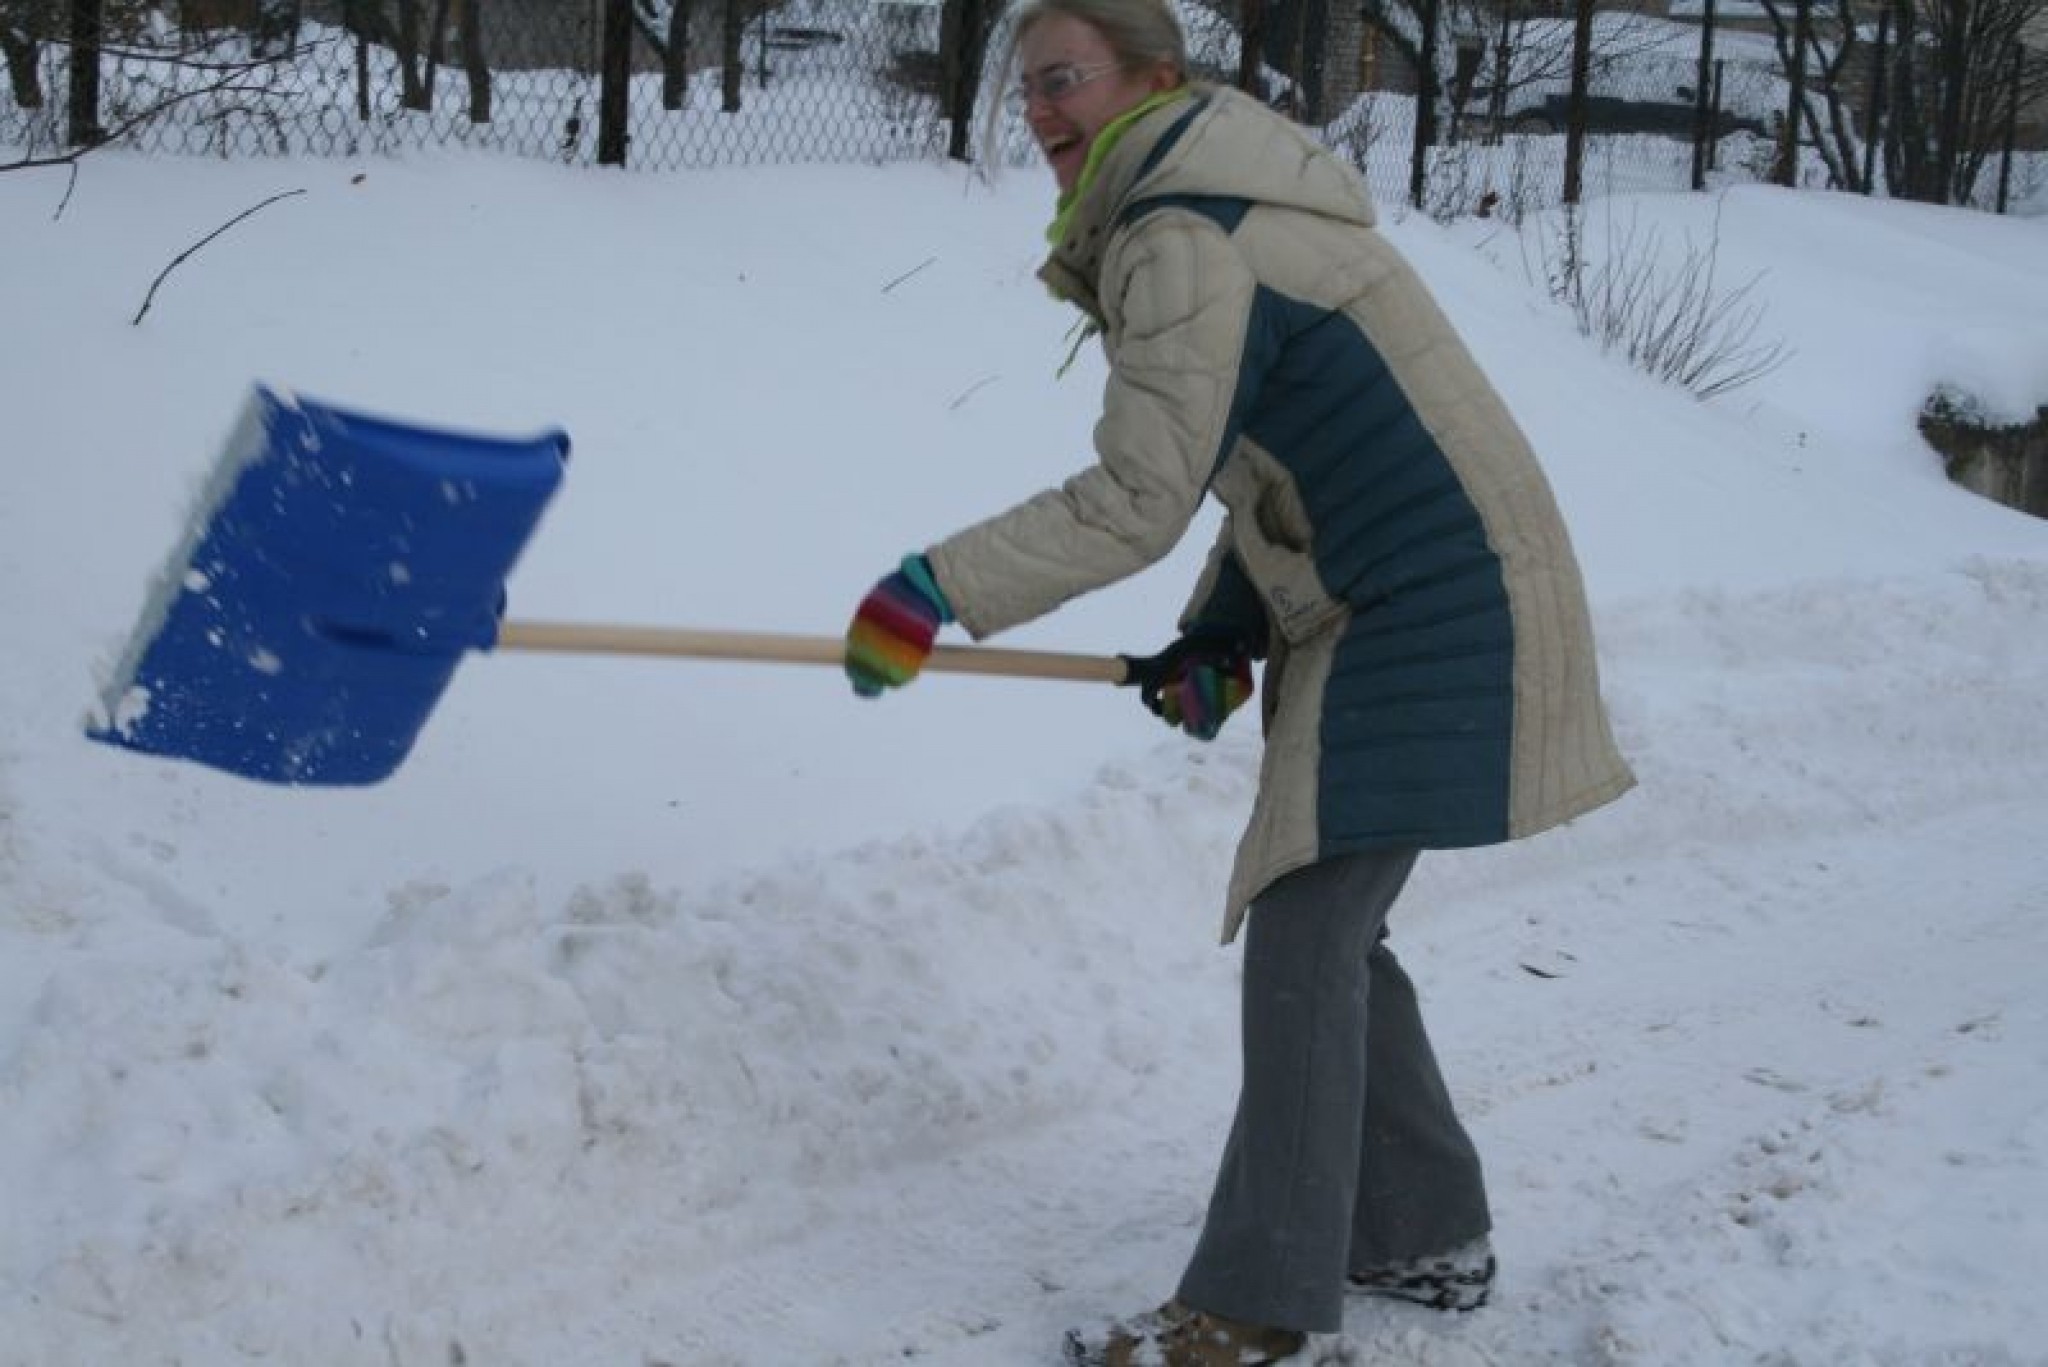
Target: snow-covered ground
{"x": 700, "y": 1014}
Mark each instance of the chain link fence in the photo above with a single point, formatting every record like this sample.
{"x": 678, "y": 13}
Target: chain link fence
{"x": 1457, "y": 111}
{"x": 714, "y": 82}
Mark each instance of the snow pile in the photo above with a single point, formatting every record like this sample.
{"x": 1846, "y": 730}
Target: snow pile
{"x": 702, "y": 1015}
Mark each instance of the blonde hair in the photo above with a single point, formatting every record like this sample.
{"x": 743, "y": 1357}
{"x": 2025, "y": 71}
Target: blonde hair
{"x": 1141, "y": 33}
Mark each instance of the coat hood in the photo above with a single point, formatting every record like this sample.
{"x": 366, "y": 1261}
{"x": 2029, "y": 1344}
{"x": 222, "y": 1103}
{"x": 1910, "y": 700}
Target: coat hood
{"x": 1220, "y": 144}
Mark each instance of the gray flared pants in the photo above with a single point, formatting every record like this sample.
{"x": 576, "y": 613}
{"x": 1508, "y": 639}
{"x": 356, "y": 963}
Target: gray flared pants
{"x": 1346, "y": 1151}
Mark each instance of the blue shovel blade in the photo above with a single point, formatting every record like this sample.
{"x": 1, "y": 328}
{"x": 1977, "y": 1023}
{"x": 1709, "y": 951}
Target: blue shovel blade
{"x": 337, "y": 568}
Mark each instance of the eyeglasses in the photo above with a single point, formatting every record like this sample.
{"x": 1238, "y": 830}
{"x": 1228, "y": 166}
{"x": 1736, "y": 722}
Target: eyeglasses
{"x": 1054, "y": 83}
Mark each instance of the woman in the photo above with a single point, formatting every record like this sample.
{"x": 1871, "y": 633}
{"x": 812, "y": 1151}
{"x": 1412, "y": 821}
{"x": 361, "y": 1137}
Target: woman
{"x": 1393, "y": 551}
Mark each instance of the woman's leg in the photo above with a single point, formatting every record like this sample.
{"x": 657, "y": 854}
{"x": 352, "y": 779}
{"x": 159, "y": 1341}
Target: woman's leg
{"x": 1420, "y": 1188}
{"x": 1275, "y": 1247}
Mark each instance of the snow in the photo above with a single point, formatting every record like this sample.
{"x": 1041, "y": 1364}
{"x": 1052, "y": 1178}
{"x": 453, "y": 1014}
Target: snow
{"x": 701, "y": 1014}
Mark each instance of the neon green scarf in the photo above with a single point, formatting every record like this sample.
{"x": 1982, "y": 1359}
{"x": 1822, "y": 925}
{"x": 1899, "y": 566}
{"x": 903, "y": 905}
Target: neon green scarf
{"x": 1111, "y": 134}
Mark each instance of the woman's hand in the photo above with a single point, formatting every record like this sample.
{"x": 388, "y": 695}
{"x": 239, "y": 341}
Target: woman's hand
{"x": 1195, "y": 683}
{"x": 891, "y": 634}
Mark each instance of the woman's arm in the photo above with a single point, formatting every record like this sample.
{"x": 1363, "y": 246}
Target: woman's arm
{"x": 1177, "y": 299}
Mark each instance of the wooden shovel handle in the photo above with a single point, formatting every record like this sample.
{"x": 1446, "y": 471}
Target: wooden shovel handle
{"x": 778, "y": 648}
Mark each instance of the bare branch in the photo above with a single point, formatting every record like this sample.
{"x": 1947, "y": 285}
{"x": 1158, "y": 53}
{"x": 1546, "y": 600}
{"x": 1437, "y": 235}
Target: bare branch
{"x": 1676, "y": 324}
{"x": 188, "y": 252}
{"x": 128, "y": 125}
{"x": 907, "y": 274}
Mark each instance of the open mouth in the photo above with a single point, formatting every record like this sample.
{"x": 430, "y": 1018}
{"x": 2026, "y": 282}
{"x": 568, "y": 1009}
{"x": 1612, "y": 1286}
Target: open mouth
{"x": 1064, "y": 153}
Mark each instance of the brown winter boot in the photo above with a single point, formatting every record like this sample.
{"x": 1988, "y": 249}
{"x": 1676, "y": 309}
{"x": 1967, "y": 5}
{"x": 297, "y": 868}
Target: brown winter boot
{"x": 1176, "y": 1335}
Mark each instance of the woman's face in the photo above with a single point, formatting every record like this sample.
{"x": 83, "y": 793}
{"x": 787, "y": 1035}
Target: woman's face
{"x": 1074, "y": 86}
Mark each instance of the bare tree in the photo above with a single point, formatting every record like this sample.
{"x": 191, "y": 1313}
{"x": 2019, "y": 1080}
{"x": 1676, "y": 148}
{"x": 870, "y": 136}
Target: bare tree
{"x": 24, "y": 26}
{"x": 1499, "y": 53}
{"x": 273, "y": 27}
{"x": 414, "y": 91}
{"x": 437, "y": 47}
{"x": 218, "y": 86}
{"x": 401, "y": 31}
{"x": 1819, "y": 52}
{"x": 675, "y": 57}
{"x": 1947, "y": 76}
{"x": 475, "y": 65}
{"x": 964, "y": 30}
{"x": 664, "y": 25}
{"x": 733, "y": 60}
{"x": 1953, "y": 66}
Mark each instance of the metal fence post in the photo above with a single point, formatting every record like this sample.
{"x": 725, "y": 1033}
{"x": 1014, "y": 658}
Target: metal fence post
{"x": 1706, "y": 112}
{"x": 1251, "y": 46}
{"x": 1787, "y": 169}
{"x": 1575, "y": 119}
{"x": 615, "y": 75}
{"x": 2012, "y": 129}
{"x": 962, "y": 51}
{"x": 1720, "y": 84}
{"x": 84, "y": 110}
{"x": 1872, "y": 125}
{"x": 1425, "y": 107}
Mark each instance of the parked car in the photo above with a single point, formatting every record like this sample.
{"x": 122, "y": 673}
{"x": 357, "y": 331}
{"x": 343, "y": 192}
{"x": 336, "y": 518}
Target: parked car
{"x": 1642, "y": 73}
{"x": 1611, "y": 114}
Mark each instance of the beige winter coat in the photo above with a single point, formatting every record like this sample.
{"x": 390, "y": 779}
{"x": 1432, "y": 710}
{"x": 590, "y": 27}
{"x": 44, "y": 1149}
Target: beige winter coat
{"x": 1390, "y": 537}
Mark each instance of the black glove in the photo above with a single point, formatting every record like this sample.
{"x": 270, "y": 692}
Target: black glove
{"x": 1195, "y": 683}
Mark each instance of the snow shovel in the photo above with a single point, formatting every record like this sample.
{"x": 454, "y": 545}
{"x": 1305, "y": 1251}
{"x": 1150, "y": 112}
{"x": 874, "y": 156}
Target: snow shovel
{"x": 335, "y": 571}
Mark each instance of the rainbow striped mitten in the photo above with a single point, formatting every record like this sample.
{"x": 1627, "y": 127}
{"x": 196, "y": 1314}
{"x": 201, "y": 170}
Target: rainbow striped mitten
{"x": 891, "y": 635}
{"x": 1207, "y": 693}
{"x": 1195, "y": 683}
